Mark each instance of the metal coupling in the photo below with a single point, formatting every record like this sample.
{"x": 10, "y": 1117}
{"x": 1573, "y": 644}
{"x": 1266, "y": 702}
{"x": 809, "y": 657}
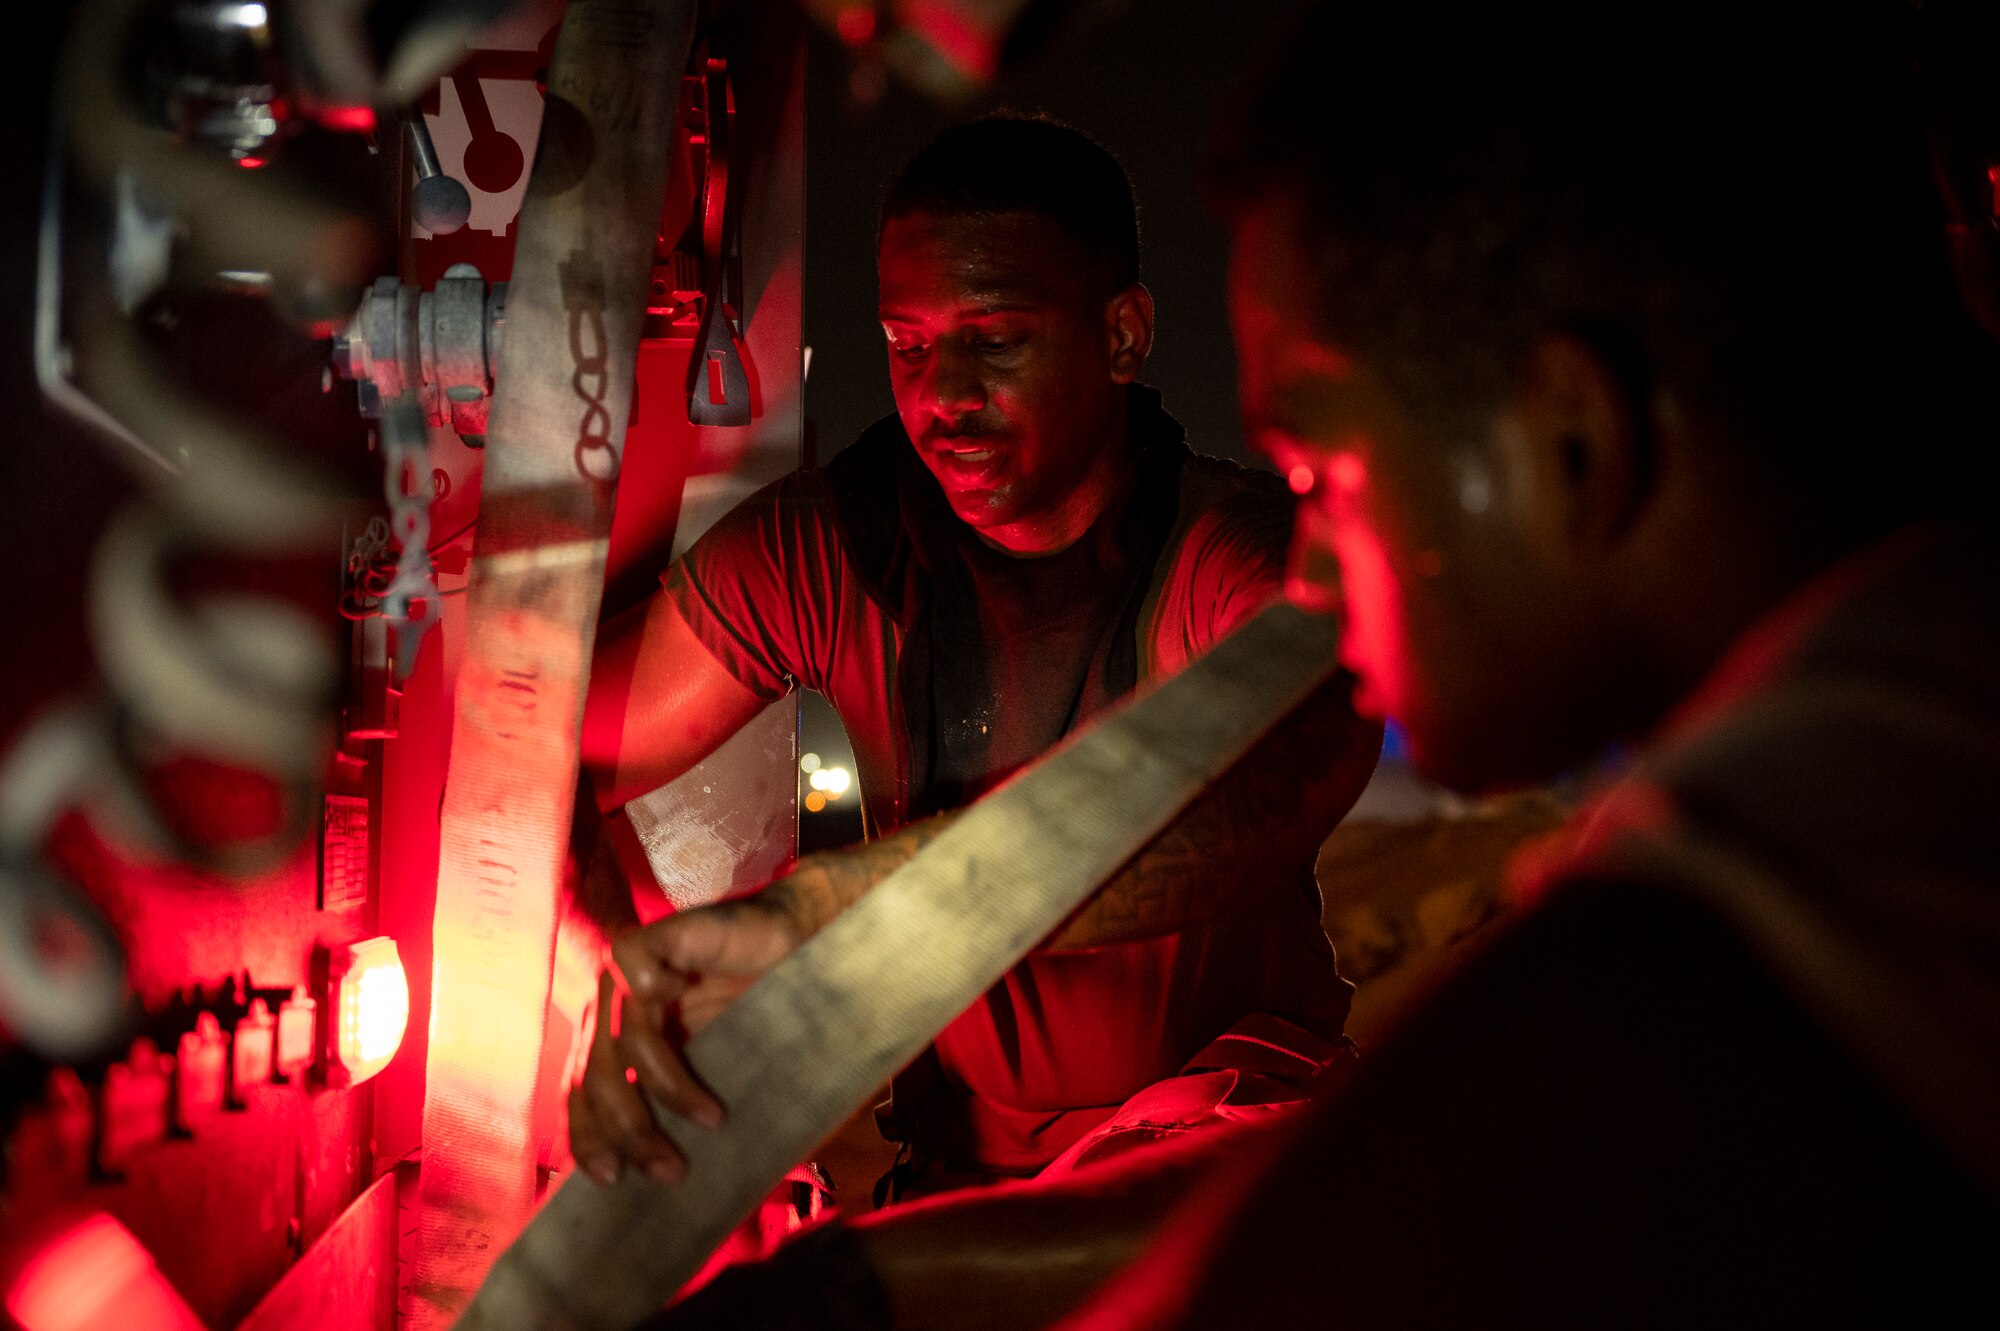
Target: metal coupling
{"x": 440, "y": 345}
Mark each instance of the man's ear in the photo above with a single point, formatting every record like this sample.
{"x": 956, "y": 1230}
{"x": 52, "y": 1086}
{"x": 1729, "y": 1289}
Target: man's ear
{"x": 1583, "y": 449}
{"x": 1128, "y": 322}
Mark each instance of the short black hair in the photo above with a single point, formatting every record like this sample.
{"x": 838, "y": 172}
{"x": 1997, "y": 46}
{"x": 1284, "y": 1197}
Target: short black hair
{"x": 1737, "y": 202}
{"x": 1013, "y": 163}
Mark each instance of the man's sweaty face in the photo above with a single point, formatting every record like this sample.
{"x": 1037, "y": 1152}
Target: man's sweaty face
{"x": 1462, "y": 625}
{"x": 1000, "y": 361}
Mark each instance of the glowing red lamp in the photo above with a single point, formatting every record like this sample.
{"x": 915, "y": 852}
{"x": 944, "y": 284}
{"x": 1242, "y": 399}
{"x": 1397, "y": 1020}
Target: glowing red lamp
{"x": 353, "y": 119}
{"x": 369, "y": 1009}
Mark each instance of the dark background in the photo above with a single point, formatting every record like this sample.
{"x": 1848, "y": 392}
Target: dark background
{"x": 1147, "y": 84}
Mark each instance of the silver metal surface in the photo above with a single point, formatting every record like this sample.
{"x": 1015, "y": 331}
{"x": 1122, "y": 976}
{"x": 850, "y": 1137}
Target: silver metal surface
{"x": 816, "y": 1036}
{"x": 225, "y": 83}
{"x": 54, "y": 361}
{"x": 730, "y": 823}
{"x": 442, "y": 346}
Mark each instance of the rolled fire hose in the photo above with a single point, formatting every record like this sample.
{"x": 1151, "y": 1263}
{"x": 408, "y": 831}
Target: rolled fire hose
{"x": 563, "y": 397}
{"x": 813, "y": 1038}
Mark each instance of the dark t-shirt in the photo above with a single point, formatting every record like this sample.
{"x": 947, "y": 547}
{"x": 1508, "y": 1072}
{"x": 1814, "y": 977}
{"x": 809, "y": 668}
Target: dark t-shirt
{"x": 780, "y": 593}
{"x": 785, "y": 595}
{"x": 1016, "y": 638}
{"x": 1614, "y": 1118}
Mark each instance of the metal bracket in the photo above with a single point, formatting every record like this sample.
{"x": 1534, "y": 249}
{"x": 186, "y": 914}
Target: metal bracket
{"x": 674, "y": 293}
{"x": 718, "y": 384}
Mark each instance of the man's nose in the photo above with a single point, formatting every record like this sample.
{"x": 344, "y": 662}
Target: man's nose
{"x": 955, "y": 387}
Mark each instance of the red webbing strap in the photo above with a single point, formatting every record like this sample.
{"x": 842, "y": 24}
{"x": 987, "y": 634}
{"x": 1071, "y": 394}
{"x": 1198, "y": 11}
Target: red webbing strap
{"x": 563, "y": 397}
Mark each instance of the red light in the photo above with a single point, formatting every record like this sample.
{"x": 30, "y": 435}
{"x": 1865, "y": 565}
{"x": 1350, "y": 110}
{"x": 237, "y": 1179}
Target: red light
{"x": 856, "y": 24}
{"x": 967, "y": 43}
{"x": 249, "y": 163}
{"x": 371, "y": 1004}
{"x": 94, "y": 1276}
{"x": 1350, "y": 473}
{"x": 1300, "y": 478}
{"x": 354, "y": 119}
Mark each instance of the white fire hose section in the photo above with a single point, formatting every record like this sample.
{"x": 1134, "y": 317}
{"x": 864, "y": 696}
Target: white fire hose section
{"x": 563, "y": 397}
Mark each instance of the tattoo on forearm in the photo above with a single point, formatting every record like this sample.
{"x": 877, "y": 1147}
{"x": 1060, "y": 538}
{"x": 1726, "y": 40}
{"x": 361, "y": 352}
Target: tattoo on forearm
{"x": 1250, "y": 832}
{"x": 820, "y": 886}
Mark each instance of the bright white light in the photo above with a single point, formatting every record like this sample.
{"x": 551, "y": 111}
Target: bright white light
{"x": 384, "y": 1003}
{"x": 809, "y": 762}
{"x": 833, "y": 780}
{"x": 244, "y": 16}
{"x": 374, "y": 1008}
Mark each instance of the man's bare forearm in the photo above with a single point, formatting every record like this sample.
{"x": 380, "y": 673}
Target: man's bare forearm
{"x": 822, "y": 885}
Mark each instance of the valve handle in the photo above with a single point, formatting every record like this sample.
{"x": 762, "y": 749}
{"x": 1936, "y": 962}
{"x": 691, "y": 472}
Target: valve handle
{"x": 438, "y": 202}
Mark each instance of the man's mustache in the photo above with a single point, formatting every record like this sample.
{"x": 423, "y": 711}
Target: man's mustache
{"x": 973, "y": 427}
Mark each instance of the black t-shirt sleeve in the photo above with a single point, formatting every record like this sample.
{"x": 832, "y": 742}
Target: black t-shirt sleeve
{"x": 758, "y": 588}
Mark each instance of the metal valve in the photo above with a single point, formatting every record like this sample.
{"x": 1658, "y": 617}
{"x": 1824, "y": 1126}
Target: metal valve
{"x": 440, "y": 344}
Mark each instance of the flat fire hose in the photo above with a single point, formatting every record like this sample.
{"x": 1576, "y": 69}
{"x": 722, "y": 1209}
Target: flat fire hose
{"x": 563, "y": 397}
{"x": 814, "y": 1037}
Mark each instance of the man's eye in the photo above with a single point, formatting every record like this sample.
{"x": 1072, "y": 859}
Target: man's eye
{"x": 993, "y": 346}
{"x": 908, "y": 350}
